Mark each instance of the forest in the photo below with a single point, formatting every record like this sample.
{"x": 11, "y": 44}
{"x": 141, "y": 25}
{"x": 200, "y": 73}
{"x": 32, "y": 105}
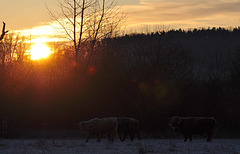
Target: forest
{"x": 149, "y": 76}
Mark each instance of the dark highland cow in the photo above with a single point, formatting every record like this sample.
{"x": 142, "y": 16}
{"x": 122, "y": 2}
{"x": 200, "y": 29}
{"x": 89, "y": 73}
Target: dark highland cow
{"x": 128, "y": 126}
{"x": 99, "y": 127}
{"x": 193, "y": 125}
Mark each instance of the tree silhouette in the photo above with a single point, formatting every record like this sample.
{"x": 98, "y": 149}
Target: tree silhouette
{"x": 86, "y": 22}
{"x": 3, "y": 31}
{"x": 235, "y": 71}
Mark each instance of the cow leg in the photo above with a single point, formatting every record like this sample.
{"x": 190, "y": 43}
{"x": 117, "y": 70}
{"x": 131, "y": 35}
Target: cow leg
{"x": 113, "y": 137}
{"x": 190, "y": 137}
{"x": 138, "y": 134}
{"x": 124, "y": 136}
{"x": 109, "y": 137}
{"x": 131, "y": 136}
{"x": 185, "y": 138}
{"x": 209, "y": 138}
{"x": 121, "y": 137}
{"x": 87, "y": 138}
{"x": 99, "y": 137}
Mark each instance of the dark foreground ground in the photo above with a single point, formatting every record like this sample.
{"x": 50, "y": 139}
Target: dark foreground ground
{"x": 68, "y": 146}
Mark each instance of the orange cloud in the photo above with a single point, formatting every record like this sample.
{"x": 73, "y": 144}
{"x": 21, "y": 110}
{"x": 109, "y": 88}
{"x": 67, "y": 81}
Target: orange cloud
{"x": 185, "y": 13}
{"x": 173, "y": 13}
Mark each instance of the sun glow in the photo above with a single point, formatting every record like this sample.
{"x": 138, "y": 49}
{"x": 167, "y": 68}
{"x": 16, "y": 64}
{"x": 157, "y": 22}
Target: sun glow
{"x": 40, "y": 51}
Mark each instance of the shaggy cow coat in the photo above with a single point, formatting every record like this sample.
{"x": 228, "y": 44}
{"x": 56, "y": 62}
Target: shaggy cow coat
{"x": 100, "y": 127}
{"x": 193, "y": 125}
{"x": 127, "y": 126}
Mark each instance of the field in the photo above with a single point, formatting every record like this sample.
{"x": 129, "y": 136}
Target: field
{"x": 62, "y": 146}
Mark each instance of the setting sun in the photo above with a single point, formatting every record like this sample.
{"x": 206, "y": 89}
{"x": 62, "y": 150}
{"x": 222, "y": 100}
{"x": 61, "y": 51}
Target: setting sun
{"x": 40, "y": 51}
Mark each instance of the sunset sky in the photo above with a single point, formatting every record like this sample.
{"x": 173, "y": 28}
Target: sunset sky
{"x": 28, "y": 14}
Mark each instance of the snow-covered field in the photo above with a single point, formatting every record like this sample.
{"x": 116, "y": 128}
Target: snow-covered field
{"x": 67, "y": 146}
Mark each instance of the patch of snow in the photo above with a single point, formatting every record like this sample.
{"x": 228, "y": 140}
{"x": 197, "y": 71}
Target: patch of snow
{"x": 63, "y": 146}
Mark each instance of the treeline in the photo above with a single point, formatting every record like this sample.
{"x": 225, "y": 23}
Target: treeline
{"x": 147, "y": 76}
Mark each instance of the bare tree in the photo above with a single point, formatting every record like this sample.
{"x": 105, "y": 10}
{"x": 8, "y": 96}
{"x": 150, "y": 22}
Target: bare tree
{"x": 3, "y": 31}
{"x": 14, "y": 47}
{"x": 87, "y": 21}
{"x": 2, "y": 52}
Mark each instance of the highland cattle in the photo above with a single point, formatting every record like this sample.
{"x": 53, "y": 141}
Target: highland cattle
{"x": 99, "y": 127}
{"x": 189, "y": 126}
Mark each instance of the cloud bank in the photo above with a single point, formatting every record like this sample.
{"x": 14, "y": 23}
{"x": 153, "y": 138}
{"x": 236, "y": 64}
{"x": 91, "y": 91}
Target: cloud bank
{"x": 185, "y": 13}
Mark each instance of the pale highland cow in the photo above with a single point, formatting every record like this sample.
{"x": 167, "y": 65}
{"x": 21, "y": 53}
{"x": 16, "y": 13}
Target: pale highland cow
{"x": 128, "y": 126}
{"x": 189, "y": 126}
{"x": 98, "y": 127}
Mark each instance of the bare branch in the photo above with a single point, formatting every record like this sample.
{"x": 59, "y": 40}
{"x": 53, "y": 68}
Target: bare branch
{"x": 59, "y": 22}
{"x": 87, "y": 22}
{"x": 3, "y": 31}
{"x": 81, "y": 26}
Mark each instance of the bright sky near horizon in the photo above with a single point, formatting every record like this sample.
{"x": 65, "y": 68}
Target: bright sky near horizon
{"x": 26, "y": 14}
